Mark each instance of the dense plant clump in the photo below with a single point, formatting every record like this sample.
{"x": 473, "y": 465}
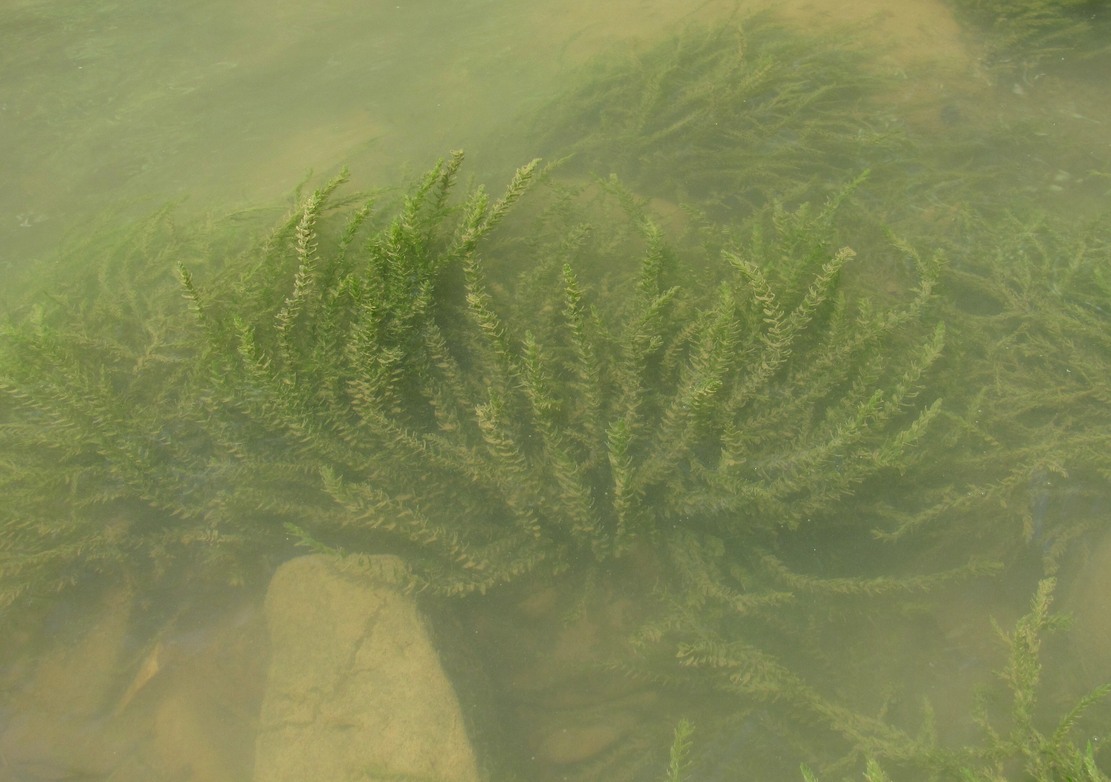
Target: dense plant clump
{"x": 352, "y": 375}
{"x": 777, "y": 410}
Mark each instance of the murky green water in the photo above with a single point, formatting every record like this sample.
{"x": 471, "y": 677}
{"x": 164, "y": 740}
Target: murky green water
{"x": 996, "y": 159}
{"x": 140, "y": 103}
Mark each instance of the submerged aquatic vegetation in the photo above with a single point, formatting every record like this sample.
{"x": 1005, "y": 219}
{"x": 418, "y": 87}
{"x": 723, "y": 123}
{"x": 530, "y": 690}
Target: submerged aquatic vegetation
{"x": 498, "y": 390}
{"x": 1029, "y": 299}
{"x": 371, "y": 378}
{"x": 723, "y": 120}
{"x": 96, "y": 382}
{"x": 1013, "y": 743}
{"x": 358, "y": 378}
{"x": 490, "y": 441}
{"x": 1025, "y": 34}
{"x": 730, "y": 117}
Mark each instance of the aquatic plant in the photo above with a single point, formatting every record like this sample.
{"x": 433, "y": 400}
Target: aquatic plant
{"x": 1028, "y": 299}
{"x": 1025, "y": 34}
{"x": 567, "y": 428}
{"x": 1018, "y": 746}
{"x": 680, "y": 750}
{"x": 361, "y": 380}
{"x": 505, "y": 389}
{"x": 374, "y": 377}
{"x": 95, "y": 381}
{"x": 720, "y": 121}
{"x": 729, "y": 117}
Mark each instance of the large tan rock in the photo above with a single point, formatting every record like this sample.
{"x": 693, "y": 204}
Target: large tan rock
{"x": 355, "y": 690}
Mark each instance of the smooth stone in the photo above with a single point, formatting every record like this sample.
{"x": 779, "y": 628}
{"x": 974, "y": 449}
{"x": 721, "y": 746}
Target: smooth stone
{"x": 355, "y": 689}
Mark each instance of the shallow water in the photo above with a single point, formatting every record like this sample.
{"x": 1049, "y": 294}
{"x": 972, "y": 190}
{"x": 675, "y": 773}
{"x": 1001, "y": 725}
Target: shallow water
{"x": 124, "y": 106}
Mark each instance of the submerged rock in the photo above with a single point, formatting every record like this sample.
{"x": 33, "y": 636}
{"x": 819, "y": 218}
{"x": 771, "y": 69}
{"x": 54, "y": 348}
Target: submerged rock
{"x": 115, "y": 688}
{"x": 355, "y": 689}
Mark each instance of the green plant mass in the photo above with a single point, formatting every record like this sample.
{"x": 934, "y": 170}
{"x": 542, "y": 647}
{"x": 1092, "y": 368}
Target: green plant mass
{"x": 731, "y": 116}
{"x": 373, "y": 378}
{"x": 356, "y": 376}
{"x": 1035, "y": 33}
{"x": 745, "y": 415}
{"x": 1022, "y": 748}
